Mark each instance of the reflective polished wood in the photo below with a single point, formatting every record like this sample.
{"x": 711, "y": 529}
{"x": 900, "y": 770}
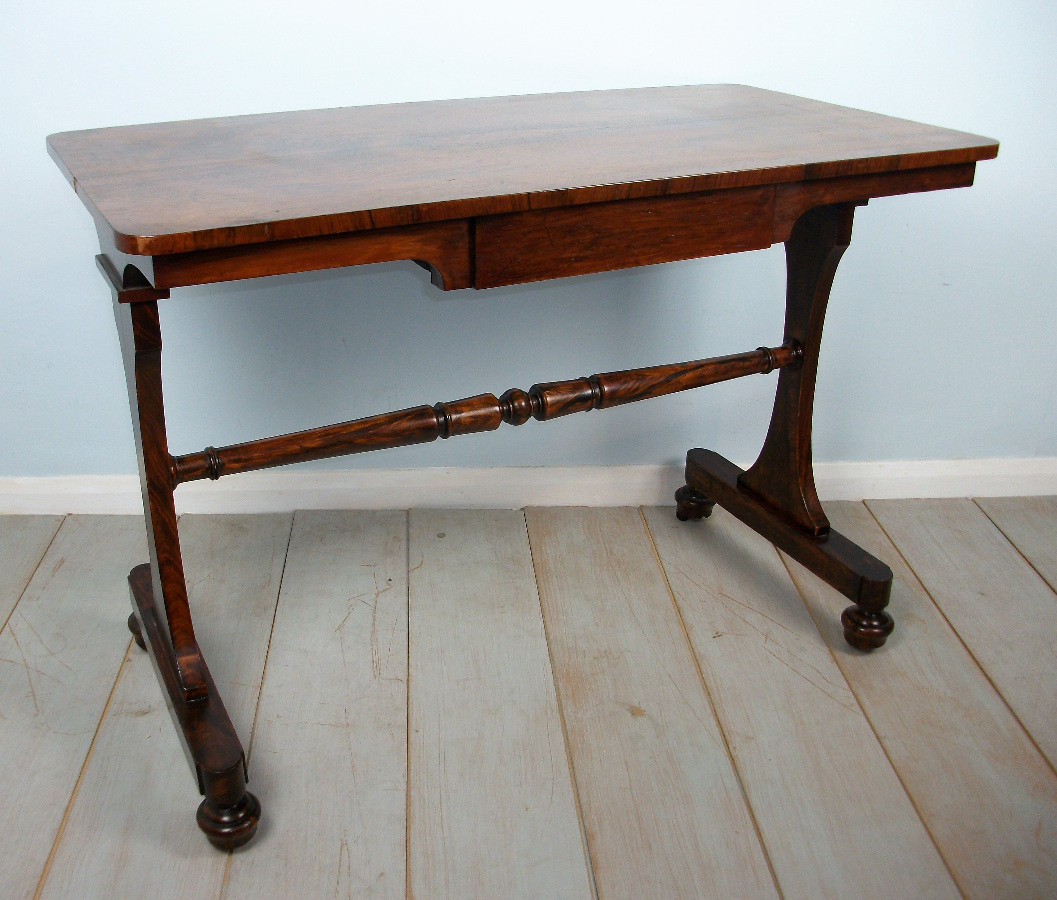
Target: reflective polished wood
{"x": 485, "y": 193}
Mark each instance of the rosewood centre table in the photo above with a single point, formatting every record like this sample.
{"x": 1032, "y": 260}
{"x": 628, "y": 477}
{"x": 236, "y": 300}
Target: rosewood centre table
{"x": 484, "y": 193}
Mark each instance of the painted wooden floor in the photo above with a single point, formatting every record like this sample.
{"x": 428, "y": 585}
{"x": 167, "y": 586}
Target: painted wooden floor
{"x": 556, "y": 703}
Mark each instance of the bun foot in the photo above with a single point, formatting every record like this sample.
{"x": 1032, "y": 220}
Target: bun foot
{"x": 690, "y": 504}
{"x": 133, "y": 626}
{"x": 232, "y": 826}
{"x": 866, "y": 630}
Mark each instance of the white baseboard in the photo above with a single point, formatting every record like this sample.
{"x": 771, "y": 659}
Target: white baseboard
{"x": 512, "y": 487}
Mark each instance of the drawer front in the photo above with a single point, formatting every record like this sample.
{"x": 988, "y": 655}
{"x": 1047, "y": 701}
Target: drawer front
{"x": 598, "y": 237}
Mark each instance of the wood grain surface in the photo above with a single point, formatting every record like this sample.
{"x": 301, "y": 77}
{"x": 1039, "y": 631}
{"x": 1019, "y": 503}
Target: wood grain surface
{"x": 663, "y": 810}
{"x": 820, "y": 785}
{"x": 470, "y": 415}
{"x": 23, "y": 542}
{"x": 1030, "y": 524}
{"x": 328, "y": 756}
{"x": 939, "y": 717}
{"x": 1004, "y": 611}
{"x": 60, "y": 654}
{"x": 122, "y": 808}
{"x": 181, "y": 186}
{"x": 660, "y": 799}
{"x": 481, "y": 693}
{"x": 600, "y": 237}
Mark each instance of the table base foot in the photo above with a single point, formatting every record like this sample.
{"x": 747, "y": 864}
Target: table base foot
{"x": 232, "y": 826}
{"x": 690, "y": 504}
{"x": 866, "y": 630}
{"x": 229, "y": 814}
{"x": 858, "y": 575}
{"x": 133, "y": 626}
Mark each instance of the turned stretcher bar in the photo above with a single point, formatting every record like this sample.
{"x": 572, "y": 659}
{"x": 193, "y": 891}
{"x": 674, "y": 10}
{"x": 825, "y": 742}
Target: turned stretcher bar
{"x": 484, "y": 412}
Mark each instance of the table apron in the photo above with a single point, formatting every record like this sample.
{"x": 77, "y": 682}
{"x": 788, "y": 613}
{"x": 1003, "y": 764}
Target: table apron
{"x": 555, "y": 242}
{"x": 599, "y": 237}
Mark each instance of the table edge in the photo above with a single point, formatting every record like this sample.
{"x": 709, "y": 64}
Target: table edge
{"x": 421, "y": 213}
{"x": 450, "y": 249}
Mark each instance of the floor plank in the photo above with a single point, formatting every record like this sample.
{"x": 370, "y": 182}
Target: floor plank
{"x": 832, "y": 812}
{"x": 59, "y": 656}
{"x": 23, "y": 542}
{"x": 981, "y": 786}
{"x": 1030, "y": 524}
{"x": 492, "y": 807}
{"x": 664, "y": 813}
{"x": 329, "y": 754}
{"x": 999, "y": 606}
{"x": 131, "y": 830}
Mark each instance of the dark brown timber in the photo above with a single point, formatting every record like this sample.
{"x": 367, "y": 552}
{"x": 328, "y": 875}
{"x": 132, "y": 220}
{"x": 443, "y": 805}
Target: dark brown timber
{"x": 484, "y": 412}
{"x": 161, "y": 618}
{"x": 777, "y": 496}
{"x": 858, "y": 575}
{"x": 139, "y": 333}
{"x": 791, "y": 201}
{"x": 229, "y": 813}
{"x": 176, "y": 187}
{"x": 483, "y": 193}
{"x": 444, "y": 248}
{"x": 783, "y": 476}
{"x": 600, "y": 237}
{"x": 691, "y": 504}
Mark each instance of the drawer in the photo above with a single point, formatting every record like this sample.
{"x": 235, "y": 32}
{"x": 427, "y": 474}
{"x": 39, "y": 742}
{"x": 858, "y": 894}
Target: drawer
{"x": 575, "y": 240}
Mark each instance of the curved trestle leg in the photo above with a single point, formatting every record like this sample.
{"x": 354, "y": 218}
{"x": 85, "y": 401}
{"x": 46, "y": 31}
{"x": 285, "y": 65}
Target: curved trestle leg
{"x": 161, "y": 618}
{"x": 776, "y": 496}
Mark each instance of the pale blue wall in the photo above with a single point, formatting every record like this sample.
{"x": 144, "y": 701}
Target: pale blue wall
{"x": 940, "y": 338}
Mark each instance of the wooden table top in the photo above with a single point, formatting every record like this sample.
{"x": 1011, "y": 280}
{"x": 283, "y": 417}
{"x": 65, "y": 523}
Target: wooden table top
{"x": 208, "y": 183}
